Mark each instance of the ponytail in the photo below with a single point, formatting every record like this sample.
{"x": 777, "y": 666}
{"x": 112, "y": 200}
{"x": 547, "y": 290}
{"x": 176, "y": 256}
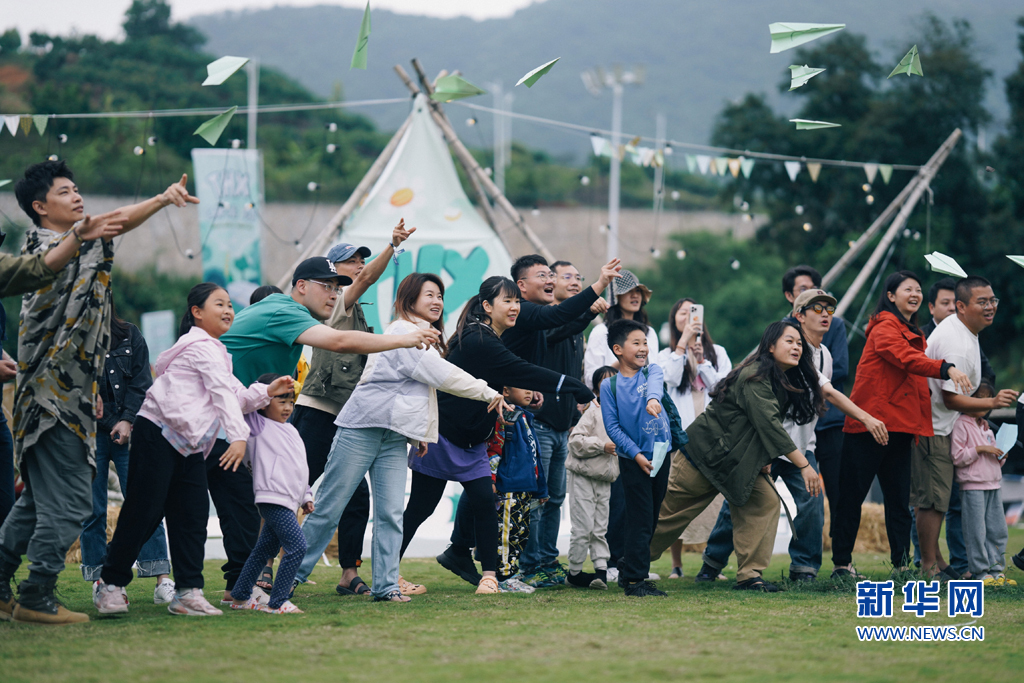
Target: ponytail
{"x": 197, "y": 297}
{"x": 474, "y": 312}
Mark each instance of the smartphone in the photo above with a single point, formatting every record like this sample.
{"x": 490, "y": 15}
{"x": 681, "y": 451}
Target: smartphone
{"x": 512, "y": 416}
{"x": 697, "y": 314}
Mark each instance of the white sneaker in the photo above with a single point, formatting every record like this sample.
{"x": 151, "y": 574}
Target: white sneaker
{"x": 613, "y": 574}
{"x": 191, "y": 602}
{"x": 654, "y": 577}
{"x": 286, "y": 608}
{"x": 164, "y": 592}
{"x": 514, "y": 584}
{"x": 252, "y": 603}
{"x": 109, "y": 599}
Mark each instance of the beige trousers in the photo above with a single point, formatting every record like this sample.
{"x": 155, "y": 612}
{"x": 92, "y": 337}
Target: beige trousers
{"x": 754, "y": 524}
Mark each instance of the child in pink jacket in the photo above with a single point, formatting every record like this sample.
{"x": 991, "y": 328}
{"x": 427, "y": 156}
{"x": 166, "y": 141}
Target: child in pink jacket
{"x": 979, "y": 472}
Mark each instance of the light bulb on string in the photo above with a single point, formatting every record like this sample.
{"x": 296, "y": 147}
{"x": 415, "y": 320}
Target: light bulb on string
{"x": 52, "y": 157}
{"x": 332, "y": 148}
{"x": 807, "y": 227}
{"x": 734, "y": 264}
{"x": 332, "y": 127}
{"x": 917, "y": 236}
{"x": 189, "y": 254}
{"x": 236, "y": 144}
{"x": 799, "y": 210}
{"x": 681, "y": 254}
{"x": 312, "y": 186}
{"x": 851, "y": 243}
{"x": 139, "y": 150}
{"x": 489, "y": 171}
{"x": 747, "y": 218}
{"x": 655, "y": 252}
{"x": 151, "y": 140}
{"x": 62, "y": 138}
{"x": 668, "y": 150}
{"x": 584, "y": 180}
{"x": 870, "y": 199}
{"x": 250, "y": 206}
{"x": 866, "y": 187}
{"x": 906, "y": 232}
{"x": 744, "y": 206}
{"x": 471, "y": 121}
{"x": 298, "y": 245}
{"x": 675, "y": 195}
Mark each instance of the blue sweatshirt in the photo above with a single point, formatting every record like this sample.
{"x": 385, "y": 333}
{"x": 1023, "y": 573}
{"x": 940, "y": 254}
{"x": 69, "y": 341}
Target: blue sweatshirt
{"x": 630, "y": 427}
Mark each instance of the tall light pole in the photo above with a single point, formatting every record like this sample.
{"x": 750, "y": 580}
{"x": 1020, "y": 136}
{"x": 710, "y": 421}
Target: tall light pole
{"x": 253, "y": 72}
{"x": 594, "y": 80}
{"x": 502, "y": 134}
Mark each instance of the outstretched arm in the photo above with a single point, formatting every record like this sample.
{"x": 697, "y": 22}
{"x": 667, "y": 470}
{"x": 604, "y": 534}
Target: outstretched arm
{"x": 348, "y": 341}
{"x": 841, "y": 401}
{"x": 375, "y": 268}
{"x": 135, "y": 215}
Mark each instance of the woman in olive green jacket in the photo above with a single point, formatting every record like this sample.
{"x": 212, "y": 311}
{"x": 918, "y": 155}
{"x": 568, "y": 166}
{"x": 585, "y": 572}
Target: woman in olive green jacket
{"x": 734, "y": 441}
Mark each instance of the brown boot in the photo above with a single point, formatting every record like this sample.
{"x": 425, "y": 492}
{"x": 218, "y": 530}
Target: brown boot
{"x": 37, "y": 605}
{"x": 7, "y": 601}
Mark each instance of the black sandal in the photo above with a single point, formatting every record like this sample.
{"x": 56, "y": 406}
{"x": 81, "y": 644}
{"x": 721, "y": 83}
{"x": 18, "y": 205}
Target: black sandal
{"x": 756, "y": 584}
{"x": 355, "y": 587}
{"x": 266, "y": 580}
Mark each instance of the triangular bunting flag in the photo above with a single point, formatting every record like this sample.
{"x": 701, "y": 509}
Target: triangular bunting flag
{"x": 886, "y": 171}
{"x": 734, "y": 167}
{"x": 870, "y": 170}
{"x": 703, "y": 163}
{"x": 814, "y": 168}
{"x": 721, "y": 165}
{"x": 659, "y": 158}
{"x": 793, "y": 169}
{"x": 359, "y": 55}
{"x": 26, "y": 124}
{"x": 646, "y": 156}
{"x": 598, "y": 143}
{"x": 746, "y": 165}
{"x": 691, "y": 163}
{"x": 211, "y": 130}
{"x": 12, "y": 123}
{"x": 40, "y": 121}
{"x": 713, "y": 167}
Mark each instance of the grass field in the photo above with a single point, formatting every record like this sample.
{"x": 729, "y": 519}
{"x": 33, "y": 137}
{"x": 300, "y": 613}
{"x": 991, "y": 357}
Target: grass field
{"x": 699, "y": 632}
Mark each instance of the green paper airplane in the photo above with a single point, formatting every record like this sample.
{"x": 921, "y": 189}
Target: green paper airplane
{"x": 801, "y": 74}
{"x": 532, "y": 77}
{"x": 941, "y": 263}
{"x": 211, "y": 130}
{"x": 454, "y": 88}
{"x": 1019, "y": 260}
{"x": 805, "y": 124}
{"x": 787, "y": 34}
{"x": 220, "y": 70}
{"x": 8, "y": 182}
{"x": 910, "y": 64}
{"x": 359, "y": 56}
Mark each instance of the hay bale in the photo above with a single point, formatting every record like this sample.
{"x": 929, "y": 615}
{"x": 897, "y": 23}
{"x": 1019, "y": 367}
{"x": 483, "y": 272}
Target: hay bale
{"x": 871, "y": 537}
{"x": 74, "y": 554}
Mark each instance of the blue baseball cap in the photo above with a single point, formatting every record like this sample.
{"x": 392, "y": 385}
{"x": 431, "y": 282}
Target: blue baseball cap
{"x": 344, "y": 251}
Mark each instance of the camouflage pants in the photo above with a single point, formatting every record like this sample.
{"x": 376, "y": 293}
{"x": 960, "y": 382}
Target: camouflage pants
{"x": 513, "y": 531}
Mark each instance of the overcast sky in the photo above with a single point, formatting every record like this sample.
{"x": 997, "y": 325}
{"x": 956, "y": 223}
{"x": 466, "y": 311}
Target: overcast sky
{"x": 104, "y": 17}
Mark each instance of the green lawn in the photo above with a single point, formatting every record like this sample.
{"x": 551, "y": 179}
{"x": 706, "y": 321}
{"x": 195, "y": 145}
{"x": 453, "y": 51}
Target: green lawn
{"x": 699, "y": 632}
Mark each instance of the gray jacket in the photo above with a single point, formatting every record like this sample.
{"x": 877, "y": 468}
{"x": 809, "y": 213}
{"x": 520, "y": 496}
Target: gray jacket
{"x": 587, "y": 456}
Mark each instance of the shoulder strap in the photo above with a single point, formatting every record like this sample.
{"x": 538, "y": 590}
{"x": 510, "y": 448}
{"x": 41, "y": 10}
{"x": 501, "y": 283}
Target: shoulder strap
{"x": 612, "y": 385}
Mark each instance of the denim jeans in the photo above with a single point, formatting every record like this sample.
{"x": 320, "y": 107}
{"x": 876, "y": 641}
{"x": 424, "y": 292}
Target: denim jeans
{"x": 152, "y": 559}
{"x": 805, "y": 549}
{"x": 542, "y": 548}
{"x": 384, "y": 454}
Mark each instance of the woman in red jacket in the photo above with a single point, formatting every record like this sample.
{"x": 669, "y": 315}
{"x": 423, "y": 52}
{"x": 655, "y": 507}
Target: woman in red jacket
{"x": 891, "y": 384}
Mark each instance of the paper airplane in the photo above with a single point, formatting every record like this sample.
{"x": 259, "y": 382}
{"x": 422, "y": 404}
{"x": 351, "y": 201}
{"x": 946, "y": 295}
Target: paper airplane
{"x": 1019, "y": 260}
{"x": 211, "y": 130}
{"x": 220, "y": 70}
{"x": 532, "y": 77}
{"x": 359, "y": 56}
{"x": 910, "y": 64}
{"x": 788, "y": 34}
{"x": 799, "y": 75}
{"x": 941, "y": 263}
{"x": 4, "y": 182}
{"x": 806, "y": 124}
{"x": 454, "y": 88}
{"x": 1006, "y": 437}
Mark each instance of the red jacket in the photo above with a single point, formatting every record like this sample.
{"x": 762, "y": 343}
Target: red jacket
{"x": 891, "y": 381}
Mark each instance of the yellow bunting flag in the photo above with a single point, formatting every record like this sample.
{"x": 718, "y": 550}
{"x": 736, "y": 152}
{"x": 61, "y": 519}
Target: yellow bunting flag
{"x": 814, "y": 169}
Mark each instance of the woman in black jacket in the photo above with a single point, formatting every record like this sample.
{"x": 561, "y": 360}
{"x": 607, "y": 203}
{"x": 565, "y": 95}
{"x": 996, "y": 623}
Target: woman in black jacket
{"x": 126, "y": 377}
{"x": 460, "y": 453}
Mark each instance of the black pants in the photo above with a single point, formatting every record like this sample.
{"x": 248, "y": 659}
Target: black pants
{"x": 644, "y": 494}
{"x": 317, "y": 430}
{"x": 863, "y": 459}
{"x": 235, "y": 501}
{"x": 161, "y": 483}
{"x": 616, "y": 535}
{"x": 829, "y": 453}
{"x": 426, "y": 494}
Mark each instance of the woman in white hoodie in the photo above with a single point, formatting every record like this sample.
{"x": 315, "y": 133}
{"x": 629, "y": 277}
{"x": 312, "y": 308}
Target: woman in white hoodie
{"x": 393, "y": 406}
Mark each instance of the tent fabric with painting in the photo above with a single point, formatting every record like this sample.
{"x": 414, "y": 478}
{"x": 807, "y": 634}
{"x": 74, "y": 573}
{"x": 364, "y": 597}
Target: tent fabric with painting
{"x": 420, "y": 184}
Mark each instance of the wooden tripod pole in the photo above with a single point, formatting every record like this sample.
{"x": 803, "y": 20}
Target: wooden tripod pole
{"x": 924, "y": 177}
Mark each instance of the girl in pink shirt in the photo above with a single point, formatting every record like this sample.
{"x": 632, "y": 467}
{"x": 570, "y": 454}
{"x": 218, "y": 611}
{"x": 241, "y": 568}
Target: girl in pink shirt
{"x": 193, "y": 397}
{"x": 979, "y": 472}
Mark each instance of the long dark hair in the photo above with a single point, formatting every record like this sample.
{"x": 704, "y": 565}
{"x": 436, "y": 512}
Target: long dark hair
{"x": 197, "y": 297}
{"x": 409, "y": 291}
{"x": 615, "y": 311}
{"x": 490, "y": 289}
{"x": 892, "y": 283}
{"x": 801, "y": 382}
{"x": 674, "y": 334}
{"x": 120, "y": 329}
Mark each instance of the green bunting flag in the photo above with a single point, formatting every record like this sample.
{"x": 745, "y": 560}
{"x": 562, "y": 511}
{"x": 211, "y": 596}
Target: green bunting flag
{"x": 40, "y": 121}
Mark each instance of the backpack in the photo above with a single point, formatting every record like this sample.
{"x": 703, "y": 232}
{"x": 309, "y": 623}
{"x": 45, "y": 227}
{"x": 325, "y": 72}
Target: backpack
{"x": 675, "y": 424}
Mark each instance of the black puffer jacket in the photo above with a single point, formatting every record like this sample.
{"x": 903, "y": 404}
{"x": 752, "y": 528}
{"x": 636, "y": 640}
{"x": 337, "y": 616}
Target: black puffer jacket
{"x": 126, "y": 378}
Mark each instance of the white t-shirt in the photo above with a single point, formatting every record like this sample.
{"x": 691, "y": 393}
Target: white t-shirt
{"x": 954, "y": 343}
{"x": 803, "y": 435}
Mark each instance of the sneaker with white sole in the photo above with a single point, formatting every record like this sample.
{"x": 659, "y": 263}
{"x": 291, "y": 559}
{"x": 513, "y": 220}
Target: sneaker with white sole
{"x": 286, "y": 608}
{"x": 613, "y": 575}
{"x": 252, "y": 603}
{"x": 190, "y": 602}
{"x": 109, "y": 599}
{"x": 164, "y": 592}
{"x": 514, "y": 584}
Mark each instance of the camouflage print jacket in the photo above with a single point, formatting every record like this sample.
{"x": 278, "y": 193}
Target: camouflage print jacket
{"x": 64, "y": 336}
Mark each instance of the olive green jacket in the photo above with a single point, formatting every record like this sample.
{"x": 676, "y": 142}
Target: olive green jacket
{"x": 738, "y": 434}
{"x": 24, "y": 274}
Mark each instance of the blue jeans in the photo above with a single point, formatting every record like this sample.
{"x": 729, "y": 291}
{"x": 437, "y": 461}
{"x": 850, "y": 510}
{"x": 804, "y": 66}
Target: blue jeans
{"x": 354, "y": 452}
{"x": 542, "y": 548}
{"x": 954, "y": 534}
{"x": 805, "y": 549}
{"x": 152, "y": 560}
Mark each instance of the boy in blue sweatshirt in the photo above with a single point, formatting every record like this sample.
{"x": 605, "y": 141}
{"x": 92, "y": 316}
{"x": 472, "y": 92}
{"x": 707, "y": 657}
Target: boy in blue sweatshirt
{"x": 633, "y": 417}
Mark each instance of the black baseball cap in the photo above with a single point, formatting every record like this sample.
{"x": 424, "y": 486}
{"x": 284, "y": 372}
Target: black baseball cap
{"x": 318, "y": 268}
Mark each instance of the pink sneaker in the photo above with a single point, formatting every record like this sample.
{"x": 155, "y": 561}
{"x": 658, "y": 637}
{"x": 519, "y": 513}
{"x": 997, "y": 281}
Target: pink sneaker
{"x": 191, "y": 602}
{"x": 109, "y": 599}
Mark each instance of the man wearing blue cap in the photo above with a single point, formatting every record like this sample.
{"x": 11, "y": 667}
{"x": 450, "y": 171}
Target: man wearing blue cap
{"x": 329, "y": 383}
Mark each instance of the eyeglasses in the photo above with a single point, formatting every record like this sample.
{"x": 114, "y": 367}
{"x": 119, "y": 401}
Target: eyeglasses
{"x": 543, "y": 277}
{"x": 569, "y": 277}
{"x": 820, "y": 308}
{"x": 986, "y": 303}
{"x": 333, "y": 289}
